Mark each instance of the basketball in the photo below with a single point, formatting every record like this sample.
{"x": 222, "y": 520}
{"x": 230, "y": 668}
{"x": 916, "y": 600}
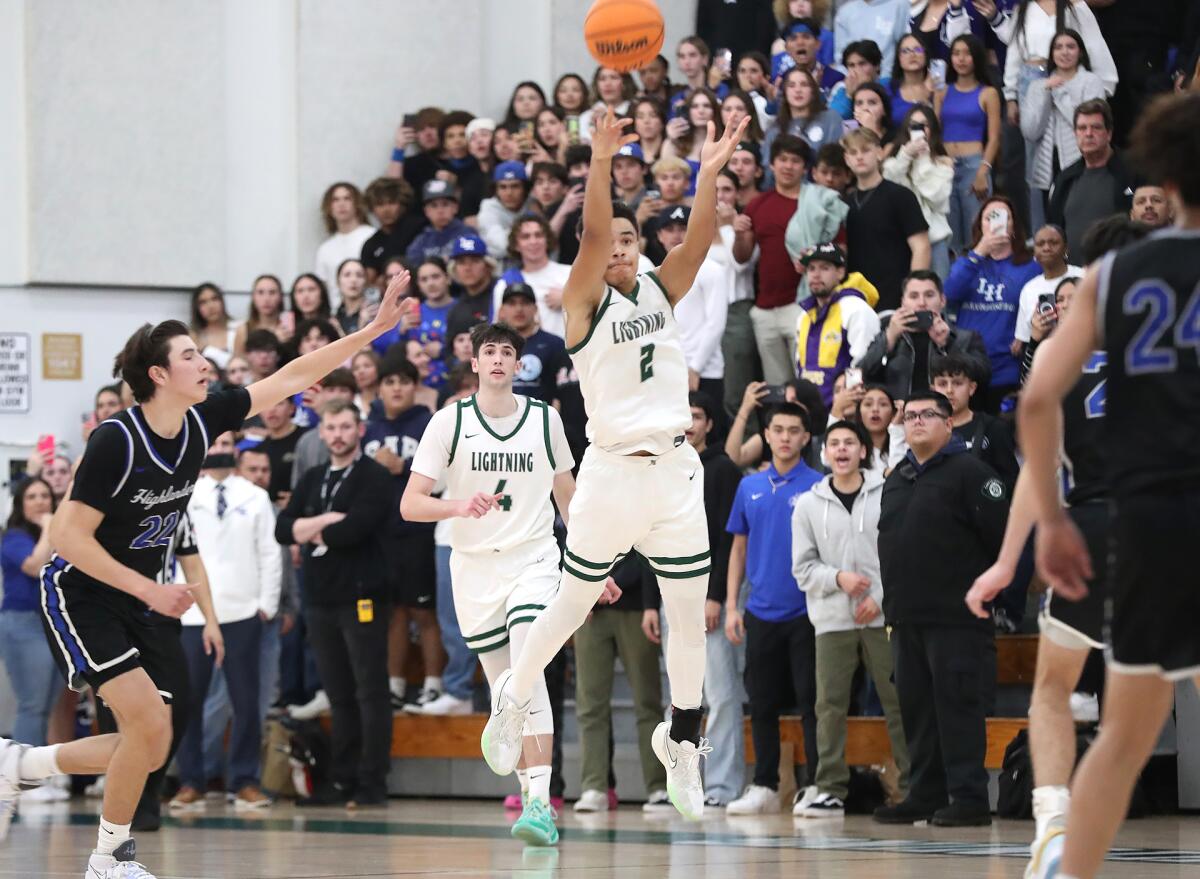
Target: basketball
{"x": 624, "y": 34}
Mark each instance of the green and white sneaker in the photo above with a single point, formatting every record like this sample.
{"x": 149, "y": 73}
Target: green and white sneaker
{"x": 536, "y": 824}
{"x": 505, "y": 731}
{"x": 682, "y": 762}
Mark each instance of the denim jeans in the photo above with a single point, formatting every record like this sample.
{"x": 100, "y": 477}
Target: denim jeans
{"x": 1027, "y": 74}
{"x": 939, "y": 258}
{"x": 217, "y": 708}
{"x": 36, "y": 681}
{"x": 459, "y": 675}
{"x": 964, "y": 204}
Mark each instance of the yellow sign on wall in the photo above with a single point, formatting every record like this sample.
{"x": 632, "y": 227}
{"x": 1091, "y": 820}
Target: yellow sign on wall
{"x": 62, "y": 356}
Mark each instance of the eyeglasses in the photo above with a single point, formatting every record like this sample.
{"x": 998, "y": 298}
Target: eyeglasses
{"x": 923, "y": 415}
{"x": 913, "y": 50}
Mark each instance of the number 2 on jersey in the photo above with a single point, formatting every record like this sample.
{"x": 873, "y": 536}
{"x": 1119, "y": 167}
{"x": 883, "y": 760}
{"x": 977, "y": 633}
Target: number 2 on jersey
{"x": 158, "y": 532}
{"x": 505, "y": 500}
{"x": 647, "y": 362}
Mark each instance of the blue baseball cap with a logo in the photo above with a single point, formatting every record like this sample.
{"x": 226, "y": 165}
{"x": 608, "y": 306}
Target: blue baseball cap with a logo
{"x": 631, "y": 151}
{"x": 509, "y": 171}
{"x": 467, "y": 245}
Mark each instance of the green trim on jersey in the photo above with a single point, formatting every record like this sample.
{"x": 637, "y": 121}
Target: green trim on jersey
{"x": 632, "y": 294}
{"x": 680, "y": 560}
{"x": 488, "y": 427}
{"x": 458, "y": 407}
{"x": 595, "y": 320}
{"x": 658, "y": 283}
{"x": 520, "y": 620}
{"x": 681, "y": 575}
{"x": 484, "y": 636}
{"x": 546, "y": 433}
{"x": 591, "y": 578}
{"x": 599, "y": 566}
{"x": 479, "y": 650}
{"x": 520, "y": 607}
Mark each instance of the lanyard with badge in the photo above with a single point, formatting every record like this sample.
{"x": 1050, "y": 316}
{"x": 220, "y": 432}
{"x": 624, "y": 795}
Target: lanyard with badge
{"x": 366, "y": 607}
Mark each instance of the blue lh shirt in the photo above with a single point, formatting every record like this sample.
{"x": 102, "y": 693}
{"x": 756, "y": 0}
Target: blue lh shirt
{"x": 762, "y": 510}
{"x": 988, "y": 294}
{"x": 20, "y": 590}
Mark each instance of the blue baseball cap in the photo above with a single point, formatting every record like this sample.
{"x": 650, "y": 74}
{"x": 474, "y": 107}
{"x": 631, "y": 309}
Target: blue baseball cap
{"x": 467, "y": 245}
{"x": 509, "y": 171}
{"x": 808, "y": 26}
{"x": 632, "y": 151}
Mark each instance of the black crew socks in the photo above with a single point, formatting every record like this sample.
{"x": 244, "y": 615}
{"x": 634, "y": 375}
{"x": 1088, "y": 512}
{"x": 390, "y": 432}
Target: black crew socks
{"x": 685, "y": 724}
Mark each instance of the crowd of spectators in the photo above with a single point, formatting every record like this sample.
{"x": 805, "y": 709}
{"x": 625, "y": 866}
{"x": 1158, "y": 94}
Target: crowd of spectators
{"x": 897, "y": 231}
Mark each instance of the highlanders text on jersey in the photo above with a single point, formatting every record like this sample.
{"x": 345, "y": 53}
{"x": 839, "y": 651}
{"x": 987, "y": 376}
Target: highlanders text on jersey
{"x": 632, "y": 372}
{"x": 515, "y": 457}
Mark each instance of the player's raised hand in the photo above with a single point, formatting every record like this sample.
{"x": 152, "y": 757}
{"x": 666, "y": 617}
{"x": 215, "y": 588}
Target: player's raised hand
{"x": 610, "y": 135}
{"x": 714, "y": 155}
{"x": 392, "y": 307}
{"x": 477, "y": 507}
{"x": 986, "y": 587}
{"x": 1062, "y": 558}
{"x": 171, "y": 599}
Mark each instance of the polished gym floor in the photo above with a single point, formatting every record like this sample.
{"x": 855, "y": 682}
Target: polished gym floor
{"x": 455, "y": 838}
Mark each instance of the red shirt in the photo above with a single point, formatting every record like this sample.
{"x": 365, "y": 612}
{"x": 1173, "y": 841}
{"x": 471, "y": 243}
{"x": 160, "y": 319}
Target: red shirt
{"x": 777, "y": 277}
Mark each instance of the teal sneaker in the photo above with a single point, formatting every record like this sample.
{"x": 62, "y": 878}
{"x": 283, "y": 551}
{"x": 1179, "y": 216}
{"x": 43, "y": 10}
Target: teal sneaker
{"x": 536, "y": 824}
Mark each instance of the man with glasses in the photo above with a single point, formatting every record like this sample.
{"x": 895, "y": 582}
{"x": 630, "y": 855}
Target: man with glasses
{"x": 941, "y": 522}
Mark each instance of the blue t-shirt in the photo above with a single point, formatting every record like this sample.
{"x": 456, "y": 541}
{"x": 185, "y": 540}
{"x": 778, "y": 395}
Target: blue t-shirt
{"x": 20, "y": 590}
{"x": 431, "y": 242}
{"x": 535, "y": 376}
{"x": 401, "y": 436}
{"x": 988, "y": 293}
{"x": 762, "y": 510}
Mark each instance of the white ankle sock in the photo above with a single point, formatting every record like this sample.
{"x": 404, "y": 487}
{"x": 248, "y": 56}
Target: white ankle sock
{"x": 523, "y": 777}
{"x": 396, "y": 685}
{"x": 1050, "y": 803}
{"x": 432, "y": 683}
{"x": 539, "y": 783}
{"x": 110, "y": 837}
{"x": 41, "y": 763}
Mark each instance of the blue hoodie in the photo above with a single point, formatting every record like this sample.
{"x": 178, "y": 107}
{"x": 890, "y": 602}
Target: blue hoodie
{"x": 988, "y": 292}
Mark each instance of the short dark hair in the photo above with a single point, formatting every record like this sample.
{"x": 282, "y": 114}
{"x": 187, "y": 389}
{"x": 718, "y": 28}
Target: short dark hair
{"x": 340, "y": 378}
{"x": 951, "y": 365}
{"x": 943, "y": 404}
{"x": 1166, "y": 142}
{"x": 1094, "y": 107}
{"x": 789, "y": 143}
{"x": 921, "y": 275}
{"x": 834, "y": 155}
{"x": 1111, "y": 233}
{"x": 262, "y": 340}
{"x": 389, "y": 190}
{"x": 550, "y": 169}
{"x": 328, "y": 330}
{"x": 858, "y": 430}
{"x": 701, "y": 400}
{"x": 868, "y": 50}
{"x": 621, "y": 211}
{"x": 577, "y": 154}
{"x": 148, "y": 346}
{"x": 498, "y": 332}
{"x": 395, "y": 363}
{"x": 337, "y": 407}
{"x": 453, "y": 119}
{"x": 794, "y": 410}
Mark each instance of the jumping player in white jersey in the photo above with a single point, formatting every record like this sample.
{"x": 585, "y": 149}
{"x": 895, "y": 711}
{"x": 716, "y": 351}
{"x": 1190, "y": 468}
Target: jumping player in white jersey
{"x": 501, "y": 457}
{"x": 110, "y": 605}
{"x": 641, "y": 484}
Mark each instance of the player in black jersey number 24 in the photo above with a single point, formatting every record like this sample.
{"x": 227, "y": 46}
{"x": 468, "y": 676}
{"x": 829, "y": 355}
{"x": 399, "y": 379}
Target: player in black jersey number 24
{"x": 1141, "y": 307}
{"x": 109, "y": 604}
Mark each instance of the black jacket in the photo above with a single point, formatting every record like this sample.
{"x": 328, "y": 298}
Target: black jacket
{"x": 940, "y": 527}
{"x": 895, "y": 368}
{"x": 990, "y": 439}
{"x": 1070, "y": 175}
{"x": 721, "y": 480}
{"x": 354, "y": 566}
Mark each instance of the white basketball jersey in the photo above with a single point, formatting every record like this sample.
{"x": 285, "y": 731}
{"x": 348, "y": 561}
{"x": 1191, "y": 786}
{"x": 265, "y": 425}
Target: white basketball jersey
{"x": 474, "y": 457}
{"x": 632, "y": 372}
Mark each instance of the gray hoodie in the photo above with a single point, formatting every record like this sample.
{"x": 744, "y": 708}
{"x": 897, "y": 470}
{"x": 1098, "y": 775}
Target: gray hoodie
{"x": 826, "y": 539}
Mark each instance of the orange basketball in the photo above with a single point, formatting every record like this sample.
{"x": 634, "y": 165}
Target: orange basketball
{"x": 624, "y": 34}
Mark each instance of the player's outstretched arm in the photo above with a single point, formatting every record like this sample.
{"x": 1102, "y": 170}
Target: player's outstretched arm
{"x": 304, "y": 372}
{"x": 1062, "y": 556}
{"x": 585, "y": 284}
{"x": 1021, "y": 516}
{"x": 678, "y": 270}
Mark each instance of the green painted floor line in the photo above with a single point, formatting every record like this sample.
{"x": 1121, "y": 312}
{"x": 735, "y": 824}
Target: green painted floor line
{"x": 368, "y": 827}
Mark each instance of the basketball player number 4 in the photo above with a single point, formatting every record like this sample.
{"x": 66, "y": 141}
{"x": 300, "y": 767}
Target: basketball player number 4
{"x": 647, "y": 362}
{"x": 505, "y": 500}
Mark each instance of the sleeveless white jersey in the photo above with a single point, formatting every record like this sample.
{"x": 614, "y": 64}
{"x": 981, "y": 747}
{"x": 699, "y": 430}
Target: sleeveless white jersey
{"x": 474, "y": 456}
{"x": 632, "y": 372}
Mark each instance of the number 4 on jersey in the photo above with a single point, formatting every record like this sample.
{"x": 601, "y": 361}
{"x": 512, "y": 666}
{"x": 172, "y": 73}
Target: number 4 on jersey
{"x": 505, "y": 500}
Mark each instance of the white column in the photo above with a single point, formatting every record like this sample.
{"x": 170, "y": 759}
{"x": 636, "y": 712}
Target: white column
{"x": 14, "y": 182}
{"x": 262, "y": 218}
{"x": 516, "y": 36}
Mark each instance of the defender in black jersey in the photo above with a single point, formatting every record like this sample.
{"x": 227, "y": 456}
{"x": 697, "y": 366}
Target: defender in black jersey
{"x": 1141, "y": 307}
{"x": 1070, "y": 629}
{"x": 110, "y": 606}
